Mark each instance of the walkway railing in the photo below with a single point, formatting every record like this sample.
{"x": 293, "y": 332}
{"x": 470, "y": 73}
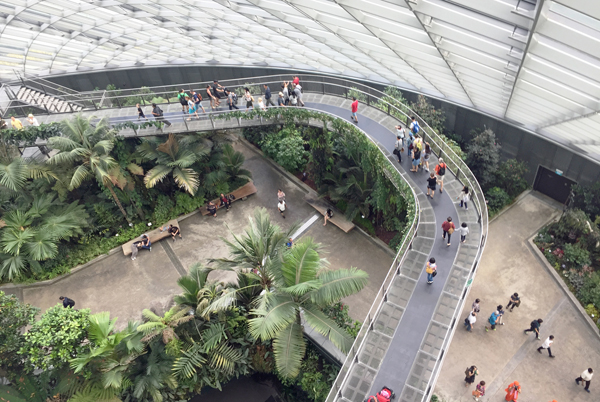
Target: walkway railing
{"x": 328, "y": 85}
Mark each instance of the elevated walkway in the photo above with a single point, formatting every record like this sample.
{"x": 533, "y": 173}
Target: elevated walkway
{"x": 404, "y": 337}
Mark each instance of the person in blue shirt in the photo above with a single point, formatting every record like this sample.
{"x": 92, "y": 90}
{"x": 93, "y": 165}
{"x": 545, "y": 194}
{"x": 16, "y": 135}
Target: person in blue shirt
{"x": 494, "y": 318}
{"x": 268, "y": 100}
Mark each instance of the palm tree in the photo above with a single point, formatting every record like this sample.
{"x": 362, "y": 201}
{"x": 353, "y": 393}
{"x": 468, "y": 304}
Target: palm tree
{"x": 302, "y": 287}
{"x": 88, "y": 148}
{"x": 175, "y": 156}
{"x": 232, "y": 164}
{"x": 260, "y": 248}
{"x": 32, "y": 231}
{"x": 165, "y": 326}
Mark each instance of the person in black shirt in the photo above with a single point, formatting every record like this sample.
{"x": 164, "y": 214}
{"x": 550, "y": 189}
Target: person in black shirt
{"x": 416, "y": 159}
{"x": 212, "y": 209}
{"x": 268, "y": 100}
{"x": 67, "y": 302}
{"x": 140, "y": 112}
{"x": 174, "y": 230}
{"x": 534, "y": 327}
{"x": 328, "y": 215}
{"x": 225, "y": 201}
{"x": 158, "y": 115}
{"x": 431, "y": 183}
{"x": 514, "y": 301}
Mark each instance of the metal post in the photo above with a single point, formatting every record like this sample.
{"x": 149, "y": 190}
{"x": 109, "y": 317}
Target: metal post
{"x": 118, "y": 103}
{"x": 186, "y": 125}
{"x": 212, "y": 122}
{"x": 323, "y": 88}
{"x": 94, "y": 103}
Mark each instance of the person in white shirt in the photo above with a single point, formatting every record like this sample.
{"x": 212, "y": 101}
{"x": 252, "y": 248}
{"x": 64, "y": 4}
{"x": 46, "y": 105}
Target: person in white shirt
{"x": 464, "y": 231}
{"x": 32, "y": 121}
{"x": 281, "y": 208}
{"x": 546, "y": 345}
{"x": 261, "y": 104}
{"x": 586, "y": 377}
{"x": 470, "y": 320}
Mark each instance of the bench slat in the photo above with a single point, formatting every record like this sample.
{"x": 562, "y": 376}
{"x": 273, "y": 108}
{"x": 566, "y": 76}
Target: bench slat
{"x": 154, "y": 235}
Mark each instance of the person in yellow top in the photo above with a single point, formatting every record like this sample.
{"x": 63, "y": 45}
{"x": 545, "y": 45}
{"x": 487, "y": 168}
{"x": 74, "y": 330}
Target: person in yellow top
{"x": 16, "y": 123}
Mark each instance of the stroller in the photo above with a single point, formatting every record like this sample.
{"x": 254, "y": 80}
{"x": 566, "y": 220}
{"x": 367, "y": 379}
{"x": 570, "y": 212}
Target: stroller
{"x": 385, "y": 395}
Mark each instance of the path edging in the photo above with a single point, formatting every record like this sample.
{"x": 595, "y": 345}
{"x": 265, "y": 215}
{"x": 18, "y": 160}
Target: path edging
{"x": 556, "y": 276}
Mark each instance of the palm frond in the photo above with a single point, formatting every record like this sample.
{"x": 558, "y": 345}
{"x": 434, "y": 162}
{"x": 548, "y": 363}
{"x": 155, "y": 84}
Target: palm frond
{"x": 289, "y": 347}
{"x": 135, "y": 169}
{"x": 79, "y": 176}
{"x": 186, "y": 178}
{"x": 302, "y": 262}
{"x": 12, "y": 266}
{"x": 328, "y": 328}
{"x": 224, "y": 357}
{"x": 339, "y": 284}
{"x": 41, "y": 247}
{"x": 156, "y": 175}
{"x": 14, "y": 175}
{"x": 63, "y": 144}
{"x": 212, "y": 336}
{"x": 185, "y": 365}
{"x": 280, "y": 311}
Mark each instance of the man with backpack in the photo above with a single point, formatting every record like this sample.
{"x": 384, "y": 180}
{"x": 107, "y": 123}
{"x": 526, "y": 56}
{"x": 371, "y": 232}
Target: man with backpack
{"x": 440, "y": 171}
{"x": 158, "y": 115}
{"x": 181, "y": 98}
{"x": 414, "y": 126}
{"x": 67, "y": 302}
{"x": 231, "y": 99}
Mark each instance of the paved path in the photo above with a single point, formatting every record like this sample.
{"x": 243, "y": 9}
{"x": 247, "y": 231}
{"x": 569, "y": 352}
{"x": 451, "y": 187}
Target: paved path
{"x": 506, "y": 355}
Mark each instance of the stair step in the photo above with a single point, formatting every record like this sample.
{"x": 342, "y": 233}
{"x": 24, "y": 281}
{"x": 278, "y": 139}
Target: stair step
{"x": 36, "y": 97}
{"x": 20, "y": 92}
{"x": 25, "y": 94}
{"x": 64, "y": 107}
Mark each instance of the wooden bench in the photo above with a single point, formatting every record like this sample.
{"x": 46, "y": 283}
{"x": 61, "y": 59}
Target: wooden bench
{"x": 338, "y": 218}
{"x": 154, "y": 235}
{"x": 239, "y": 194}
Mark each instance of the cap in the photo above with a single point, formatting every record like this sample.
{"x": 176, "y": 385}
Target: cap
{"x": 280, "y": 93}
{"x": 30, "y": 115}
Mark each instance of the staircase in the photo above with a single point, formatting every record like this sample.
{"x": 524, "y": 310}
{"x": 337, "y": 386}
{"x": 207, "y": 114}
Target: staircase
{"x": 45, "y": 101}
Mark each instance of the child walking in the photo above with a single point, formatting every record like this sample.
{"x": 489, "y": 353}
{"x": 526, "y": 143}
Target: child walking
{"x": 431, "y": 269}
{"x": 464, "y": 231}
{"x": 140, "y": 112}
{"x": 464, "y": 197}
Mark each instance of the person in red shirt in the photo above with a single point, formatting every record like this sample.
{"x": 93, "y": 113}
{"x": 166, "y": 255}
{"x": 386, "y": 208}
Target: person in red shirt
{"x": 354, "y": 109}
{"x": 296, "y": 80}
{"x": 448, "y": 228}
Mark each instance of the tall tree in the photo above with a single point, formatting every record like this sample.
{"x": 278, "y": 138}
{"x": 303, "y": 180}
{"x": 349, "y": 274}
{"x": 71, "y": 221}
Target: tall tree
{"x": 301, "y": 287}
{"x": 483, "y": 156}
{"x": 87, "y": 148}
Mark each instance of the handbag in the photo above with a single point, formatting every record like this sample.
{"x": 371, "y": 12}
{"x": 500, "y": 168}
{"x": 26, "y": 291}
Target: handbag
{"x": 476, "y": 393}
{"x": 395, "y": 151}
{"x": 434, "y": 274}
{"x": 451, "y": 230}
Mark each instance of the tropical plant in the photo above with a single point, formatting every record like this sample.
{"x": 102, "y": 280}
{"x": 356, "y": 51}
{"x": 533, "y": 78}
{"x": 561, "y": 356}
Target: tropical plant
{"x": 587, "y": 198}
{"x": 483, "y": 156}
{"x": 510, "y": 176}
{"x": 286, "y": 148}
{"x": 27, "y": 388}
{"x": 394, "y": 97}
{"x": 356, "y": 93}
{"x": 32, "y": 231}
{"x": 497, "y": 199}
{"x": 258, "y": 250}
{"x": 176, "y": 157}
{"x": 435, "y": 118}
{"x": 301, "y": 287}
{"x": 15, "y": 316}
{"x": 87, "y": 147}
{"x": 164, "y": 327}
{"x": 232, "y": 164}
{"x": 55, "y": 338}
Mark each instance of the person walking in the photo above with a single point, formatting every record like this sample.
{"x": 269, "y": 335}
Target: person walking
{"x": 546, "y": 345}
{"x": 431, "y": 270}
{"x": 493, "y": 320}
{"x": 158, "y": 115}
{"x": 512, "y": 392}
{"x": 231, "y": 100}
{"x": 16, "y": 123}
{"x": 475, "y": 306}
{"x": 500, "y": 310}
{"x": 191, "y": 108}
{"x": 464, "y": 231}
{"x": 181, "y": 98}
{"x": 296, "y": 80}
{"x": 197, "y": 98}
{"x": 286, "y": 92}
{"x": 67, "y": 302}
{"x": 470, "y": 321}
{"x": 431, "y": 182}
{"x": 281, "y": 208}
{"x": 298, "y": 92}
{"x": 248, "y": 98}
{"x": 398, "y": 147}
{"x": 414, "y": 126}
{"x": 515, "y": 301}
{"x": 448, "y": 228}
{"x": 268, "y": 100}
{"x": 409, "y": 143}
{"x": 400, "y": 132}
{"x": 293, "y": 99}
{"x": 534, "y": 327}
{"x": 585, "y": 377}
{"x": 280, "y": 195}
{"x": 225, "y": 202}
{"x": 217, "y": 90}
{"x": 440, "y": 171}
{"x": 140, "y": 112}
{"x": 470, "y": 374}
{"x": 464, "y": 197}
{"x": 281, "y": 100}
{"x": 426, "y": 156}
{"x": 214, "y": 102}
{"x": 33, "y": 121}
{"x": 416, "y": 159}
{"x": 354, "y": 107}
{"x": 479, "y": 390}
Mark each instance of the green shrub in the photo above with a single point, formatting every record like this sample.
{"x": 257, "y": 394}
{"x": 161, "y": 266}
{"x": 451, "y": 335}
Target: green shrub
{"x": 592, "y": 311}
{"x": 454, "y": 146}
{"x": 185, "y": 203}
{"x": 497, "y": 199}
{"x": 510, "y": 176}
{"x": 483, "y": 156}
{"x": 396, "y": 241}
{"x": 587, "y": 198}
{"x": 576, "y": 256}
{"x": 435, "y": 118}
{"x": 339, "y": 312}
{"x": 590, "y": 291}
{"x": 163, "y": 211}
{"x": 286, "y": 148}
{"x": 354, "y": 92}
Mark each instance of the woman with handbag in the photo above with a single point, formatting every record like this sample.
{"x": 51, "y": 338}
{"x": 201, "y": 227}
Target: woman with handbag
{"x": 479, "y": 390}
{"x": 448, "y": 228}
{"x": 512, "y": 392}
{"x": 431, "y": 270}
{"x": 470, "y": 374}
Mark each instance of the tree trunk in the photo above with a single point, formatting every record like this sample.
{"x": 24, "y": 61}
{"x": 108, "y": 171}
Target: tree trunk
{"x": 118, "y": 202}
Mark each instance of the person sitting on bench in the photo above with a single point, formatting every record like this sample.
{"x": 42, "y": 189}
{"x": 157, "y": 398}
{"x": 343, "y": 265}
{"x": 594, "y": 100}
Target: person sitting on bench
{"x": 174, "y": 230}
{"x": 212, "y": 209}
{"x": 328, "y": 215}
{"x": 225, "y": 201}
{"x": 146, "y": 243}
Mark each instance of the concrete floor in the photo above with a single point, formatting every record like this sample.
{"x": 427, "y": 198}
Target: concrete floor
{"x": 126, "y": 287}
{"x": 508, "y": 265}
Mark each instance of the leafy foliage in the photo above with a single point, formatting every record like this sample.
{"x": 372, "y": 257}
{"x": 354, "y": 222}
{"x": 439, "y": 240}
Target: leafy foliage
{"x": 587, "y": 198}
{"x": 483, "y": 157}
{"x": 425, "y": 110}
{"x": 55, "y": 338}
{"x": 286, "y": 148}
{"x": 510, "y": 176}
{"x": 497, "y": 199}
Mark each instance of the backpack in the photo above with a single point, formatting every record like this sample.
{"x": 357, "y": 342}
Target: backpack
{"x": 416, "y": 127}
{"x": 442, "y": 170}
{"x": 234, "y": 98}
{"x": 160, "y": 112}
{"x": 468, "y": 370}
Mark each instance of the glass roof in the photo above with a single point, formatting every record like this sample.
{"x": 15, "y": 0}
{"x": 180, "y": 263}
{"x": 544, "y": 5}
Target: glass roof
{"x": 533, "y": 64}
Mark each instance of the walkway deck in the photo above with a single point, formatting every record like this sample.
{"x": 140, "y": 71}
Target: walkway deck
{"x": 407, "y": 336}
